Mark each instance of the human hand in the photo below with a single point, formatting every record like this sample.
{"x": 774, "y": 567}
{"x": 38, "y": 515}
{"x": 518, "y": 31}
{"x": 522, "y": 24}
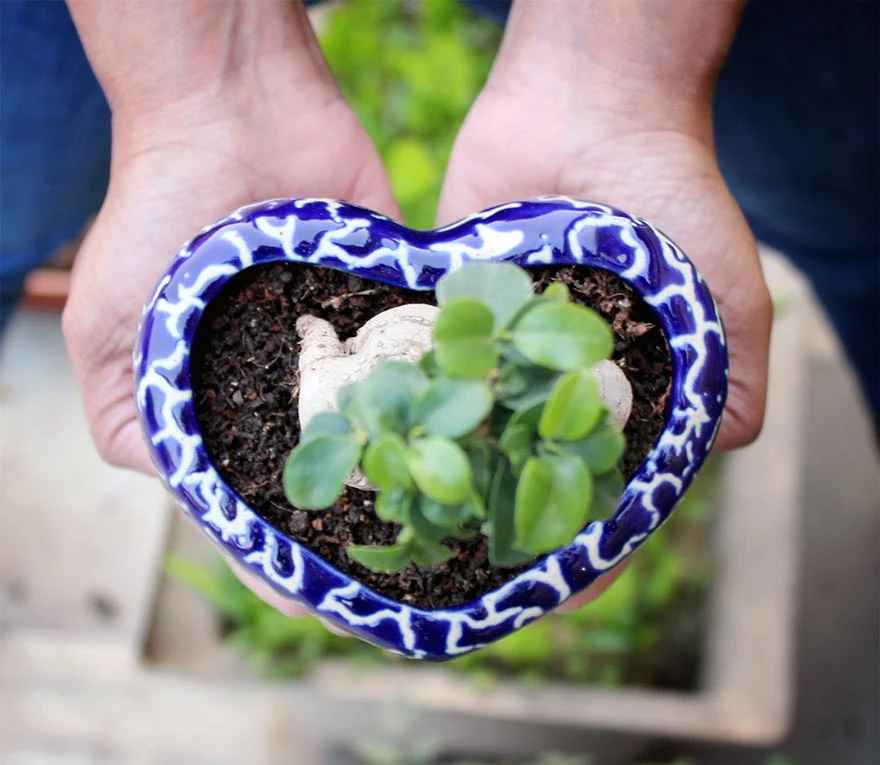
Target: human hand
{"x": 562, "y": 113}
{"x": 257, "y": 132}
{"x": 558, "y": 118}
{"x": 254, "y": 129}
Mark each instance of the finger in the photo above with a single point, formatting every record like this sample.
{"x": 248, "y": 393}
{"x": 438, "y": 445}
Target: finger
{"x": 750, "y": 313}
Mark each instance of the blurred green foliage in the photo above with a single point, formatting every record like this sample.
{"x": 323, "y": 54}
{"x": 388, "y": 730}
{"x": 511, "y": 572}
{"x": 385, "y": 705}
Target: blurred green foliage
{"x": 410, "y": 70}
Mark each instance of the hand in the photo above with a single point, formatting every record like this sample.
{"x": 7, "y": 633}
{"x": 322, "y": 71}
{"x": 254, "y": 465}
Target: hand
{"x": 538, "y": 130}
{"x": 180, "y": 165}
{"x": 561, "y": 117}
{"x": 177, "y": 168}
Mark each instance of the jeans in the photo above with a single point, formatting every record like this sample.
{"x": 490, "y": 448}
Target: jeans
{"x": 796, "y": 130}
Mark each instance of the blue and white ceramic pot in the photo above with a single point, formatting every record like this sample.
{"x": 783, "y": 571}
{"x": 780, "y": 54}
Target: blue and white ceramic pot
{"x": 328, "y": 234}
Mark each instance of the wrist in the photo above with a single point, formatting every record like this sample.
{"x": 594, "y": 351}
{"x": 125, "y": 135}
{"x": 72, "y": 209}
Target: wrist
{"x": 166, "y": 61}
{"x": 650, "y": 62}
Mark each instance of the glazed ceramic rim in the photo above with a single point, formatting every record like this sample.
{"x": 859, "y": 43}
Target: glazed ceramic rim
{"x": 547, "y": 231}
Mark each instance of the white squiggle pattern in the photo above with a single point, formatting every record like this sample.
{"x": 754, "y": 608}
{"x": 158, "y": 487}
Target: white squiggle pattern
{"x": 494, "y": 244}
{"x": 695, "y": 416}
{"x": 480, "y": 215}
{"x": 335, "y": 603}
{"x": 496, "y": 613}
{"x": 188, "y": 297}
{"x": 590, "y": 539}
{"x": 264, "y": 561}
{"x": 544, "y": 255}
{"x": 245, "y": 237}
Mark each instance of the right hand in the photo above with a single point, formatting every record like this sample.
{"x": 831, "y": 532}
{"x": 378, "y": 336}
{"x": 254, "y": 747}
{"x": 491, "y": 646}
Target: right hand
{"x": 270, "y": 128}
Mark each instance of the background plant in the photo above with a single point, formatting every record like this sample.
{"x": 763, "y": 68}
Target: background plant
{"x": 500, "y": 429}
{"x": 386, "y": 57}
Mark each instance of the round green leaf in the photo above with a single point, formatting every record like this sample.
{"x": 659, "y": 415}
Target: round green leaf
{"x": 326, "y": 424}
{"x": 563, "y": 336}
{"x": 552, "y": 502}
{"x": 482, "y": 458}
{"x": 601, "y": 450}
{"x": 440, "y": 469}
{"x": 447, "y": 517}
{"x": 315, "y": 471}
{"x": 521, "y": 387}
{"x": 500, "y": 523}
{"x": 503, "y": 287}
{"x": 557, "y": 291}
{"x": 392, "y": 506}
{"x": 384, "y": 463}
{"x": 452, "y": 408}
{"x": 573, "y": 409}
{"x": 427, "y": 554}
{"x": 383, "y": 401}
{"x": 463, "y": 344}
{"x": 516, "y": 443}
{"x": 424, "y": 528}
{"x": 385, "y": 559}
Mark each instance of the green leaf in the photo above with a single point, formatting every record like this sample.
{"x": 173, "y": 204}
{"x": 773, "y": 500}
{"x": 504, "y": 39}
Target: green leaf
{"x": 440, "y": 469}
{"x": 563, "y": 336}
{"x": 607, "y": 491}
{"x": 503, "y": 287}
{"x": 412, "y": 169}
{"x": 383, "y": 558}
{"x": 601, "y": 450}
{"x": 392, "y": 505}
{"x": 315, "y": 471}
{"x": 428, "y": 364}
{"x": 423, "y": 527}
{"x": 453, "y": 408}
{"x": 573, "y": 409}
{"x": 428, "y": 554}
{"x": 516, "y": 443}
{"x": 383, "y": 400}
{"x": 527, "y": 416}
{"x": 463, "y": 343}
{"x": 482, "y": 458}
{"x": 447, "y": 517}
{"x": 557, "y": 292}
{"x": 384, "y": 463}
{"x": 500, "y": 523}
{"x": 325, "y": 424}
{"x": 552, "y": 502}
{"x": 521, "y": 387}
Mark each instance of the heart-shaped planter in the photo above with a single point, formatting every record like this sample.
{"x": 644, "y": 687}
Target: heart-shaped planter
{"x": 543, "y": 232}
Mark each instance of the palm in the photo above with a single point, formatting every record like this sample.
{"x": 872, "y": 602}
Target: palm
{"x": 667, "y": 177}
{"x": 161, "y": 194}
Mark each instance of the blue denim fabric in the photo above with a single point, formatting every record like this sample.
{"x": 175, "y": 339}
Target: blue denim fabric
{"x": 54, "y": 139}
{"x": 796, "y": 129}
{"x": 796, "y": 124}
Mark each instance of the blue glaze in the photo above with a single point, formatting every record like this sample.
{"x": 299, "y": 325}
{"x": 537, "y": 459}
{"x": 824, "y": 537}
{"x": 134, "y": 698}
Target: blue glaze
{"x": 533, "y": 233}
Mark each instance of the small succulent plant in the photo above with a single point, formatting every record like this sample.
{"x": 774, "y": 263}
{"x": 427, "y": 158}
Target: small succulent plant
{"x": 501, "y": 428}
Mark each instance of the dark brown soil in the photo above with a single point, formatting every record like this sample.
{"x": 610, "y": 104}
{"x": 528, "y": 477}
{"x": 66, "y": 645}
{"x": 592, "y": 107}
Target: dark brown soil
{"x": 245, "y": 385}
